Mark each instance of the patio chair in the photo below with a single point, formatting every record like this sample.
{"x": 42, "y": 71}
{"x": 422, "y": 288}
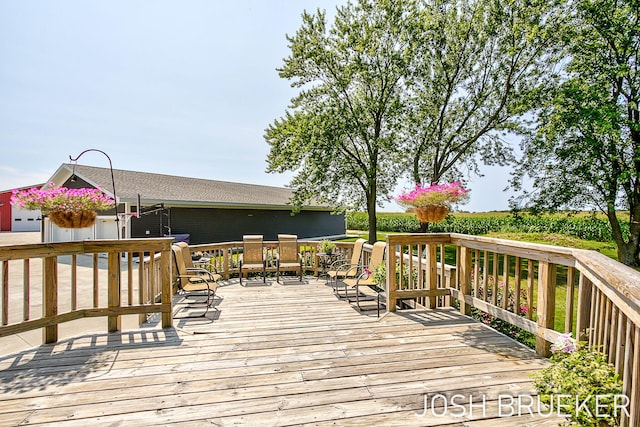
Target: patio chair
{"x": 343, "y": 268}
{"x": 252, "y": 257}
{"x": 364, "y": 284}
{"x": 289, "y": 258}
{"x": 194, "y": 281}
{"x": 189, "y": 260}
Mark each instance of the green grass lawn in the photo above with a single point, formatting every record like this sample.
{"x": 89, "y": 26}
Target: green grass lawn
{"x": 606, "y": 248}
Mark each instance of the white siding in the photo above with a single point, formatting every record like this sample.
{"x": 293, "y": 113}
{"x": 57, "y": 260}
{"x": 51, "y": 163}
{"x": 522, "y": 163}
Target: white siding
{"x": 104, "y": 228}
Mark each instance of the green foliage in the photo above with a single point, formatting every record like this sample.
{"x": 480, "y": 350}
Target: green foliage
{"x": 587, "y": 228}
{"x": 582, "y": 375}
{"x": 400, "y": 223}
{"x": 326, "y": 246}
{"x": 411, "y": 87}
{"x": 340, "y": 133}
{"x": 583, "y": 150}
{"x": 480, "y": 67}
{"x": 380, "y": 274}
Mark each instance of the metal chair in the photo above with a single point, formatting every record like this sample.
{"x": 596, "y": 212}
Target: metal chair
{"x": 194, "y": 281}
{"x": 364, "y": 284}
{"x": 344, "y": 268}
{"x": 189, "y": 261}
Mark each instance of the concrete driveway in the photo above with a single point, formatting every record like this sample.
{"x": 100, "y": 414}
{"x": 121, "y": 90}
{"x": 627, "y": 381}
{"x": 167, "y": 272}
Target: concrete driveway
{"x": 30, "y": 339}
{"x": 19, "y": 238}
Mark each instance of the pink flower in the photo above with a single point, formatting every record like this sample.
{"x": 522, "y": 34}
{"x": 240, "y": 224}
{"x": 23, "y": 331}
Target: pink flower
{"x": 61, "y": 198}
{"x": 565, "y": 344}
{"x": 439, "y": 194}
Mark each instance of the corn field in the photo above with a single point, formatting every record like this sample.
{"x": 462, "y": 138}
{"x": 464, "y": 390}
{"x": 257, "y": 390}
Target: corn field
{"x": 587, "y": 228}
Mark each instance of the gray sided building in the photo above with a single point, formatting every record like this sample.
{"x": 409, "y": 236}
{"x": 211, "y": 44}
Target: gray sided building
{"x": 207, "y": 211}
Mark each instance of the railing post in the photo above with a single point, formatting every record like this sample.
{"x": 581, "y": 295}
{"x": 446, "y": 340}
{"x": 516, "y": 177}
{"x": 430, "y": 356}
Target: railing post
{"x": 516, "y": 286}
{"x": 226, "y": 262}
{"x": 391, "y": 276}
{"x": 546, "y": 304}
{"x": 568, "y": 318}
{"x": 585, "y": 288}
{"x": 130, "y": 278}
{"x": 465, "y": 280}
{"x": 114, "y": 323}
{"x": 50, "y": 298}
{"x": 4, "y": 272}
{"x": 432, "y": 276}
{"x": 96, "y": 279}
{"x": 26, "y": 289}
{"x": 632, "y": 376}
{"x": 142, "y": 286}
{"x": 165, "y": 280}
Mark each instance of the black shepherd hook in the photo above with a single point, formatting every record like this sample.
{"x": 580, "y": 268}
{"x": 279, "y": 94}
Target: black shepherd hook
{"x": 113, "y": 182}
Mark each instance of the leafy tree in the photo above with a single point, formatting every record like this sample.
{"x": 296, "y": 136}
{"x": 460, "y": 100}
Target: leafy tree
{"x": 479, "y": 68}
{"x": 585, "y": 151}
{"x": 339, "y": 134}
{"x": 393, "y": 86}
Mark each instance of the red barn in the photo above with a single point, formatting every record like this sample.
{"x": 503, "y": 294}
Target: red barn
{"x": 14, "y": 219}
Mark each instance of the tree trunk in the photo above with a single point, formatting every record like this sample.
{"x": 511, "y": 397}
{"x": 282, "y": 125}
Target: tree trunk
{"x": 424, "y": 226}
{"x": 628, "y": 254}
{"x": 627, "y": 251}
{"x": 373, "y": 223}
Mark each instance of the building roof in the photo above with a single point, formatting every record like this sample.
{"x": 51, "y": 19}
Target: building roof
{"x": 21, "y": 188}
{"x": 178, "y": 190}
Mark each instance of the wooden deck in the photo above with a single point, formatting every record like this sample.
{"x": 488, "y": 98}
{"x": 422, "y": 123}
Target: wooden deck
{"x": 274, "y": 355}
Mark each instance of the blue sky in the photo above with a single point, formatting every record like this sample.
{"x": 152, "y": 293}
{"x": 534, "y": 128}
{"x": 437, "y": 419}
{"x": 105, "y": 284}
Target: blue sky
{"x": 183, "y": 88}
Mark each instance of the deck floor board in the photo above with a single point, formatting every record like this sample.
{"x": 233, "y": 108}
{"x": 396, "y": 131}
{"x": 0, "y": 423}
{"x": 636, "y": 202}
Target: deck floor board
{"x": 274, "y": 355}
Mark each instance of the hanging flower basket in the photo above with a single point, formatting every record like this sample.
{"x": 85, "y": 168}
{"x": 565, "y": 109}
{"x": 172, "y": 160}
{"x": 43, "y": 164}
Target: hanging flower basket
{"x": 73, "y": 219}
{"x": 66, "y": 207}
{"x": 431, "y": 213}
{"x": 432, "y": 204}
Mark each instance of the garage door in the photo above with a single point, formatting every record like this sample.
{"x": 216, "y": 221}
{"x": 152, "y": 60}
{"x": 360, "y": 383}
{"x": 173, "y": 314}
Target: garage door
{"x": 25, "y": 220}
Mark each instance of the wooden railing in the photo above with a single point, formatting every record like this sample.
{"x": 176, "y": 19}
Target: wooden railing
{"x": 520, "y": 283}
{"x": 60, "y": 282}
{"x": 225, "y": 256}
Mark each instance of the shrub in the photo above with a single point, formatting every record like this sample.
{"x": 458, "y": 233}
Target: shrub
{"x": 380, "y": 274}
{"x": 326, "y": 246}
{"x": 582, "y": 384}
